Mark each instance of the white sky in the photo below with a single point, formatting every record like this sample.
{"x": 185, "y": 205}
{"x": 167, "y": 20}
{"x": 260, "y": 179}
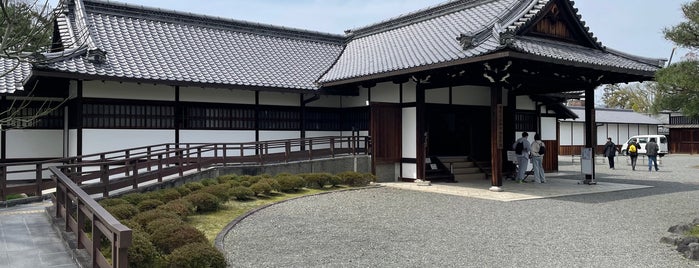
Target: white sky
{"x": 632, "y": 26}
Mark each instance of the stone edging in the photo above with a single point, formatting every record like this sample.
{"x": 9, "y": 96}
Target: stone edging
{"x": 687, "y": 245}
{"x": 218, "y": 241}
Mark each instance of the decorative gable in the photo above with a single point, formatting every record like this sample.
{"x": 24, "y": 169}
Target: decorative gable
{"x": 559, "y": 21}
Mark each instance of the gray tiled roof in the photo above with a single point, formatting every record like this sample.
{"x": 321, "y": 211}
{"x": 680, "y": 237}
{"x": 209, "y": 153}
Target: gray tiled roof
{"x": 13, "y": 74}
{"x": 578, "y": 54}
{"x": 151, "y": 44}
{"x": 147, "y": 44}
{"x": 605, "y": 115}
{"x": 430, "y": 36}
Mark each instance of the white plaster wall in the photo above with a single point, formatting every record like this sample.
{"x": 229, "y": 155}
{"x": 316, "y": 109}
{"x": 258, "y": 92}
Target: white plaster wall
{"x": 409, "y": 133}
{"x": 34, "y": 143}
{"x": 409, "y": 170}
{"x": 409, "y": 92}
{"x": 338, "y": 144}
{"x": 578, "y": 134}
{"x": 548, "y": 128}
{"x": 437, "y": 95}
{"x": 633, "y": 130}
{"x": 279, "y": 135}
{"x": 280, "y": 98}
{"x": 102, "y": 140}
{"x": 116, "y": 90}
{"x": 566, "y": 129}
{"x": 386, "y": 92}
{"x": 525, "y": 103}
{"x": 313, "y": 134}
{"x": 217, "y": 95}
{"x": 612, "y": 131}
{"x": 73, "y": 142}
{"x": 624, "y": 132}
{"x": 326, "y": 101}
{"x": 219, "y": 136}
{"x": 73, "y": 89}
{"x": 216, "y": 136}
{"x": 356, "y": 101}
{"x": 471, "y": 95}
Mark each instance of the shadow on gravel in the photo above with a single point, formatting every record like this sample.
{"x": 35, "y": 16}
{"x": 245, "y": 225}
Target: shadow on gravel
{"x": 659, "y": 187}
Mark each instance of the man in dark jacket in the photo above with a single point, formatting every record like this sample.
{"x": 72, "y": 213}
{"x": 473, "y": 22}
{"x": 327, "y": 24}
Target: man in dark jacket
{"x": 610, "y": 152}
{"x": 633, "y": 152}
{"x": 652, "y": 153}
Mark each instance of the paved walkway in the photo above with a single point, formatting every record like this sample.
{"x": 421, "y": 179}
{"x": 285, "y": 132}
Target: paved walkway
{"x": 28, "y": 240}
{"x": 616, "y": 223}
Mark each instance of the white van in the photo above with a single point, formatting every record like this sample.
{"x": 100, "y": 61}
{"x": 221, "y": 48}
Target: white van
{"x": 661, "y": 140}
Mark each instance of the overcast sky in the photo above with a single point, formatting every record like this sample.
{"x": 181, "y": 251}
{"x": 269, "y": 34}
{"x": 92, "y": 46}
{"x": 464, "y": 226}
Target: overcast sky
{"x": 632, "y": 26}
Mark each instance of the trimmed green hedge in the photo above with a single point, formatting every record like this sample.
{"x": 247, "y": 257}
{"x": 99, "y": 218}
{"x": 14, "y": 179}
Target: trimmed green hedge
{"x": 197, "y": 255}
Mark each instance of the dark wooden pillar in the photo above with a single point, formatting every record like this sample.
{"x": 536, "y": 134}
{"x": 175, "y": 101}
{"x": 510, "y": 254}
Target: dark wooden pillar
{"x": 590, "y": 130}
{"x": 420, "y": 129}
{"x": 497, "y": 74}
{"x": 496, "y": 135}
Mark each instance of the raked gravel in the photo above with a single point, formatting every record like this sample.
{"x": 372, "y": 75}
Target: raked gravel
{"x": 387, "y": 227}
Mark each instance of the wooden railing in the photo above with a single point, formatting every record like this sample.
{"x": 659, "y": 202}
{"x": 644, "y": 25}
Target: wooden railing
{"x": 75, "y": 207}
{"x": 77, "y": 180}
{"x": 108, "y": 171}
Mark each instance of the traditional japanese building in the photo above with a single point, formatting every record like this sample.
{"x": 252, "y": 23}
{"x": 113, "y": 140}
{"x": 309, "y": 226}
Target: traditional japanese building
{"x": 618, "y": 124}
{"x": 463, "y": 78}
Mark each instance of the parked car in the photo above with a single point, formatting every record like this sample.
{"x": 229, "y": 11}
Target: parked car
{"x": 642, "y": 140}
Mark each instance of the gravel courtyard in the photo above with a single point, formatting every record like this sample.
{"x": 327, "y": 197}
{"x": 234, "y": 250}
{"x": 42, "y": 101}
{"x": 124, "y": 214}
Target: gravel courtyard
{"x": 389, "y": 227}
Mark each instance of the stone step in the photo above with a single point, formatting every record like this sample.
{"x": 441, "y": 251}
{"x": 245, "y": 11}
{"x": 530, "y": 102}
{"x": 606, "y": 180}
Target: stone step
{"x": 466, "y": 170}
{"x": 470, "y": 176}
{"x": 461, "y": 164}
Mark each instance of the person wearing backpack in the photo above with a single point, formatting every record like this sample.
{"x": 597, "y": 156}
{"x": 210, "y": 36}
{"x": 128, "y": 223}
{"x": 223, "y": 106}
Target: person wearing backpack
{"x": 610, "y": 152}
{"x": 633, "y": 152}
{"x": 522, "y": 149}
{"x": 538, "y": 151}
{"x": 652, "y": 154}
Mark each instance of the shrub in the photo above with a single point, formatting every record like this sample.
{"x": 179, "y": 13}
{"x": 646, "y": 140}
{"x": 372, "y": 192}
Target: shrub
{"x": 226, "y": 178}
{"x": 134, "y": 198}
{"x": 183, "y": 190}
{"x": 149, "y": 204}
{"x": 197, "y": 255}
{"x": 154, "y": 225}
{"x": 233, "y": 184}
{"x": 132, "y": 224}
{"x": 112, "y": 202}
{"x": 194, "y": 186}
{"x": 290, "y": 183}
{"x": 181, "y": 207}
{"x": 273, "y": 183}
{"x": 209, "y": 182}
{"x": 204, "y": 201}
{"x": 355, "y": 179}
{"x": 122, "y": 211}
{"x": 241, "y": 193}
{"x": 335, "y": 181}
{"x": 245, "y": 183}
{"x": 261, "y": 188}
{"x": 170, "y": 237}
{"x": 317, "y": 180}
{"x": 219, "y": 190}
{"x": 142, "y": 253}
{"x": 168, "y": 195}
{"x": 146, "y": 217}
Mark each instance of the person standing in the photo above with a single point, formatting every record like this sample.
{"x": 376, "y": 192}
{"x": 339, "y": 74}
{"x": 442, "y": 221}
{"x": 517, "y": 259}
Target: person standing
{"x": 610, "y": 152}
{"x": 633, "y": 152}
{"x": 522, "y": 148}
{"x": 652, "y": 153}
{"x": 537, "y": 156}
